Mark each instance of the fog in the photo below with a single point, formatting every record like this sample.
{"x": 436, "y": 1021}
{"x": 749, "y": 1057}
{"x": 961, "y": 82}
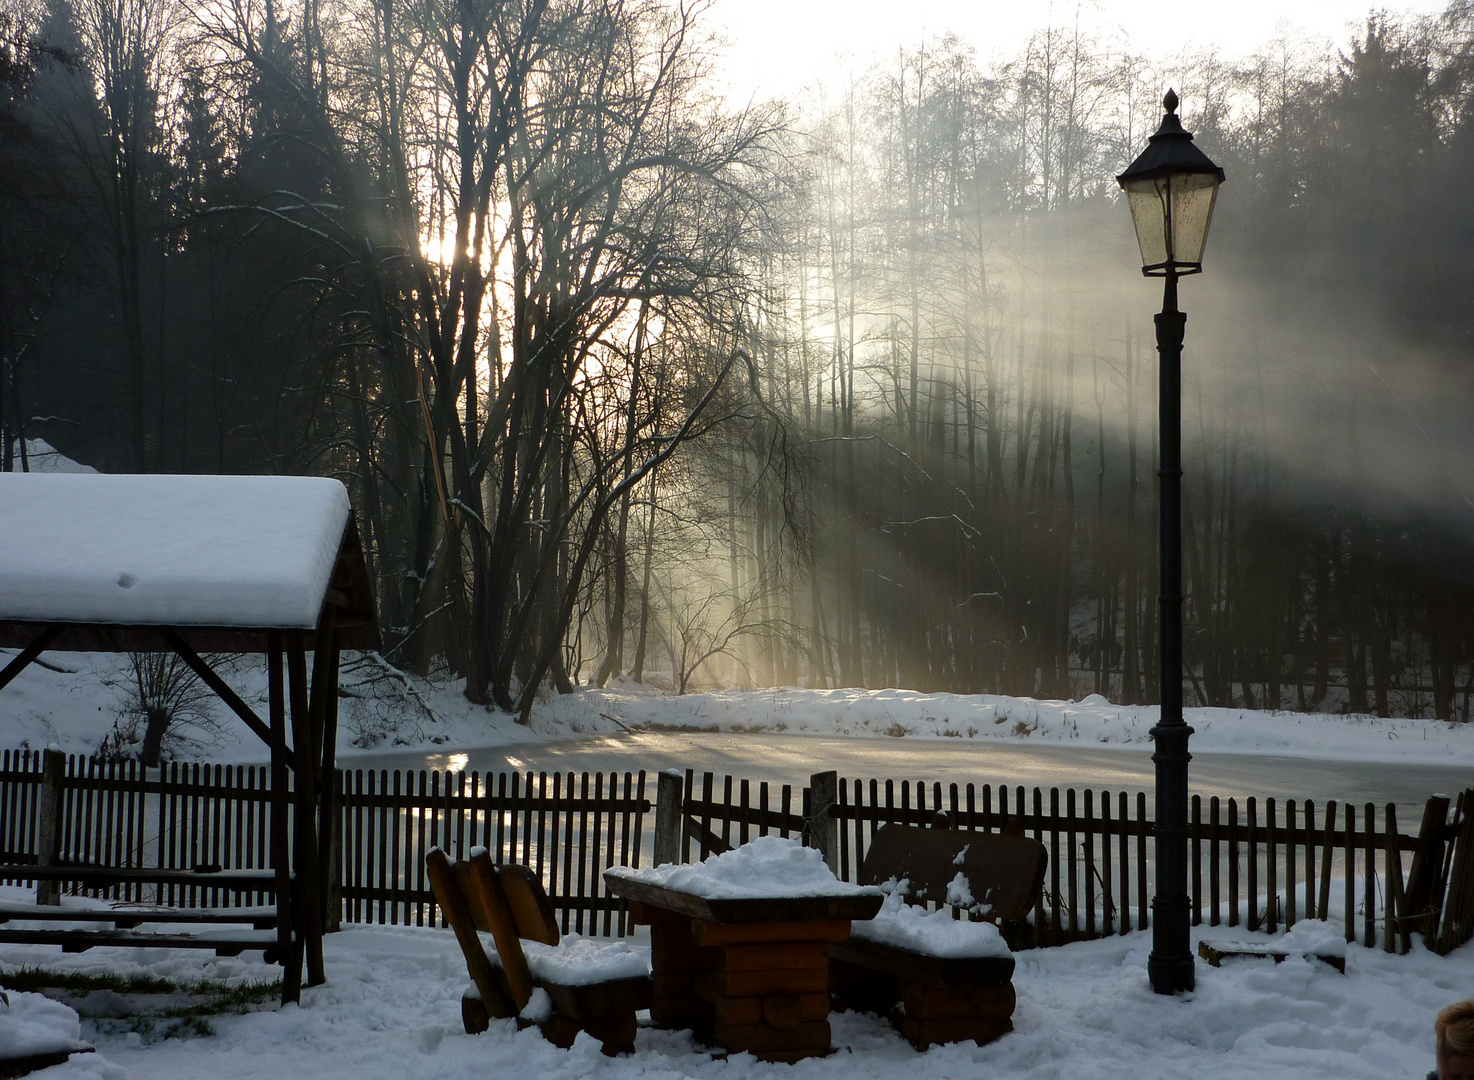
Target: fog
{"x": 853, "y": 388}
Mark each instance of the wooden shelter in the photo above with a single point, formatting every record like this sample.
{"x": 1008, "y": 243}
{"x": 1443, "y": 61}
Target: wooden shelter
{"x": 201, "y": 564}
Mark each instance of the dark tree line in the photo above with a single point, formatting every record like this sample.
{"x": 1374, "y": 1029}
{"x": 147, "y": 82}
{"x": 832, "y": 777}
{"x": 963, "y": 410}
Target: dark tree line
{"x": 856, "y": 390}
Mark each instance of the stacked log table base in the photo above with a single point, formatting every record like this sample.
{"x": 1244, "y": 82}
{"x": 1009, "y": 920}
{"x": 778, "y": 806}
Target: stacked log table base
{"x": 930, "y": 1000}
{"x": 756, "y": 987}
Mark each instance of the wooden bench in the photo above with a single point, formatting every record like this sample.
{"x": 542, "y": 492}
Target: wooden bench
{"x": 509, "y": 903}
{"x": 1215, "y": 952}
{"x": 940, "y": 999}
{"x": 231, "y": 939}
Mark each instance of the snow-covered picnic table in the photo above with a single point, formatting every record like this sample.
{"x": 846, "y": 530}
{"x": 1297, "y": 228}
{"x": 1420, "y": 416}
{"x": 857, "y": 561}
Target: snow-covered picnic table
{"x": 739, "y": 944}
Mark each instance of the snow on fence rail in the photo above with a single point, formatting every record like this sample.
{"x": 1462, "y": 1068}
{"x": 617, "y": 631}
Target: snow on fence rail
{"x": 1259, "y": 864}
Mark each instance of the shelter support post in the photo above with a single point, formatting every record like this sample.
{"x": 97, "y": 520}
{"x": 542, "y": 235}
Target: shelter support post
{"x": 288, "y": 943}
{"x": 305, "y": 853}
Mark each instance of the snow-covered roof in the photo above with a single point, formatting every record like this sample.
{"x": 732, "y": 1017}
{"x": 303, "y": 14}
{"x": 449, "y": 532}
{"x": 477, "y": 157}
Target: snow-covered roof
{"x": 139, "y": 550}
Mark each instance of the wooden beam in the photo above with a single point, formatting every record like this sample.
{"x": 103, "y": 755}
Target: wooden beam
{"x": 222, "y": 690}
{"x": 29, "y": 653}
{"x": 309, "y": 874}
{"x": 289, "y": 944}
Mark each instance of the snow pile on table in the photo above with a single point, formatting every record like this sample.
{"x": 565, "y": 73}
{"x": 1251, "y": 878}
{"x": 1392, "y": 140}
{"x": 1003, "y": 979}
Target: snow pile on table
{"x": 252, "y": 551}
{"x": 391, "y": 1009}
{"x": 768, "y": 866}
{"x": 933, "y": 933}
{"x": 33, "y": 1024}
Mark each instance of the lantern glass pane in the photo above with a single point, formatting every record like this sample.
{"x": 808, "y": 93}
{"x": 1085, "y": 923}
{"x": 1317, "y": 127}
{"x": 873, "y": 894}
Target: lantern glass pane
{"x": 1192, "y": 197}
{"x": 1149, "y": 217}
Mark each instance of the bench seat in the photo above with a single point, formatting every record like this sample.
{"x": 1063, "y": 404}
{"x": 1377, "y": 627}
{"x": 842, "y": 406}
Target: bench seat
{"x": 259, "y": 917}
{"x": 937, "y": 996}
{"x": 223, "y": 942}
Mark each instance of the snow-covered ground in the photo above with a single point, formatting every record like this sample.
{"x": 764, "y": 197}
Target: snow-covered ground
{"x": 391, "y": 1011}
{"x": 75, "y": 702}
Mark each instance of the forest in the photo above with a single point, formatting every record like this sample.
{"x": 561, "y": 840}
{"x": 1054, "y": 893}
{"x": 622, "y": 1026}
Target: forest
{"x": 630, "y": 380}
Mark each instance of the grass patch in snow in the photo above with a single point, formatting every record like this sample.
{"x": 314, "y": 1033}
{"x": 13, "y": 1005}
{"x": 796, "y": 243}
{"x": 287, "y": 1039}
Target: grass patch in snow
{"x": 152, "y": 1006}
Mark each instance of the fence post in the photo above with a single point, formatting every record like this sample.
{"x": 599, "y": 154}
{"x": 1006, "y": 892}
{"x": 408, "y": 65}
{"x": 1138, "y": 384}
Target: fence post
{"x": 668, "y": 791}
{"x": 823, "y": 825}
{"x": 333, "y": 894}
{"x": 48, "y": 828}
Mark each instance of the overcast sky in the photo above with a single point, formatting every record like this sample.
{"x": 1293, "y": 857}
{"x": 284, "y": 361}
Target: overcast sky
{"x": 779, "y": 46}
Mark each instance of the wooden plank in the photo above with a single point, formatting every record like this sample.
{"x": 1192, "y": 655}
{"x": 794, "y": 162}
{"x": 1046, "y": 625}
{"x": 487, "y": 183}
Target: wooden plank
{"x": 223, "y": 691}
{"x": 810, "y": 1039}
{"x": 589, "y": 1001}
{"x": 1251, "y": 838}
{"x": 1125, "y": 870}
{"x": 1141, "y": 895}
{"x": 1089, "y": 864}
{"x": 1369, "y": 863}
{"x": 956, "y": 973}
{"x": 49, "y": 825}
{"x": 452, "y": 901}
{"x": 1216, "y": 953}
{"x": 1327, "y": 848}
{"x": 791, "y": 1010}
{"x": 1271, "y": 865}
{"x": 33, "y": 649}
{"x": 223, "y": 943}
{"x": 1349, "y": 915}
{"x": 1006, "y": 872}
{"x": 926, "y": 1001}
{"x": 713, "y": 934}
{"x": 103, "y": 876}
{"x": 1393, "y": 928}
{"x": 1427, "y": 860}
{"x": 1196, "y": 833}
{"x": 261, "y": 917}
{"x": 527, "y": 900}
{"x": 765, "y": 956}
{"x": 1214, "y": 870}
{"x": 924, "y": 1033}
{"x": 498, "y": 915}
{"x": 1310, "y": 878}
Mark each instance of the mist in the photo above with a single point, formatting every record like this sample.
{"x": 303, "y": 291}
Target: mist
{"x": 855, "y": 389}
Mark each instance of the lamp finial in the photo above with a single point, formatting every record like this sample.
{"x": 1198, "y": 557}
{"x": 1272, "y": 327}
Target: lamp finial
{"x": 1170, "y": 101}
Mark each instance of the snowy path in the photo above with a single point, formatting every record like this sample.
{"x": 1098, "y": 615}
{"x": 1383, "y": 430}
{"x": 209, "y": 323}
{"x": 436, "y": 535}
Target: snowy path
{"x": 390, "y": 1011}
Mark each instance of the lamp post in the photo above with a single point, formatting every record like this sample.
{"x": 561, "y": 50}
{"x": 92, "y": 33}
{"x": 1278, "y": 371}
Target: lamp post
{"x": 1170, "y": 190}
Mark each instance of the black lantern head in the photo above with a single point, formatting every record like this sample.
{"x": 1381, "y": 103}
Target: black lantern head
{"x": 1171, "y": 189}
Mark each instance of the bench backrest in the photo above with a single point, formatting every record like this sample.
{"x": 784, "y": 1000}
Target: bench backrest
{"x": 1004, "y": 874}
{"x": 508, "y": 902}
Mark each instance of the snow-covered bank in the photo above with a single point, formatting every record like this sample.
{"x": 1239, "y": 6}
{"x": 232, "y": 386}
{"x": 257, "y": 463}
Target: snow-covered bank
{"x": 391, "y": 1011}
{"x": 76, "y": 701}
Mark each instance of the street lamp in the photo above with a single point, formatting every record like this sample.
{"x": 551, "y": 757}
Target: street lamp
{"x": 1171, "y": 189}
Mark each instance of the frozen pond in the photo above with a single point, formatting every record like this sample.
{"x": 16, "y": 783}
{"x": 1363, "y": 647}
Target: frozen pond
{"x": 790, "y": 759}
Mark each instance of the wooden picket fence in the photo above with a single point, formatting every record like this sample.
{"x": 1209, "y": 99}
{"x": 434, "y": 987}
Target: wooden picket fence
{"x": 569, "y": 828}
{"x": 1260, "y": 864}
{"x": 115, "y": 813}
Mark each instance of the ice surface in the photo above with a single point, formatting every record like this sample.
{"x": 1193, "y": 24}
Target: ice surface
{"x": 254, "y": 551}
{"x": 765, "y": 867}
